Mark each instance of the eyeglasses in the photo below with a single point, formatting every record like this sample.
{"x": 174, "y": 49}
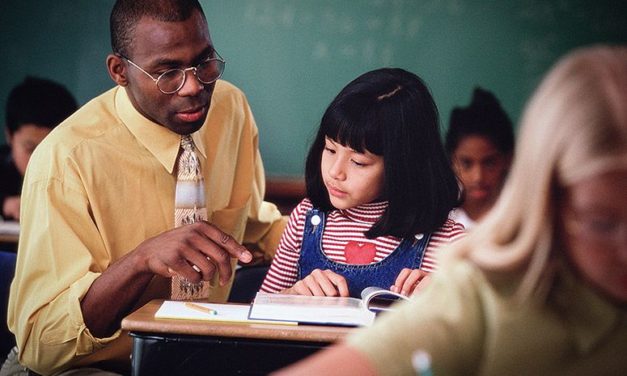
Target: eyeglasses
{"x": 171, "y": 81}
{"x": 594, "y": 229}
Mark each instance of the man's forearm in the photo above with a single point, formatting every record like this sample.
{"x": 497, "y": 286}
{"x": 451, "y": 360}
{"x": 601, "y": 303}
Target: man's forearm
{"x": 112, "y": 296}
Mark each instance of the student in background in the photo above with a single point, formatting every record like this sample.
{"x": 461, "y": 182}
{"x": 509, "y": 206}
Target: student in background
{"x": 480, "y": 143}
{"x": 33, "y": 108}
{"x": 379, "y": 190}
{"x": 98, "y": 237}
{"x": 540, "y": 286}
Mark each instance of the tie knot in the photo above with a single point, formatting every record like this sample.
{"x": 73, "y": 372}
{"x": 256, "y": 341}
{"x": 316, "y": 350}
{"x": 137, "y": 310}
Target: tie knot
{"x": 187, "y": 143}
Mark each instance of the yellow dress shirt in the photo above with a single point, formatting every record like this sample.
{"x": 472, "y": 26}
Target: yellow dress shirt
{"x": 470, "y": 326}
{"x": 99, "y": 185}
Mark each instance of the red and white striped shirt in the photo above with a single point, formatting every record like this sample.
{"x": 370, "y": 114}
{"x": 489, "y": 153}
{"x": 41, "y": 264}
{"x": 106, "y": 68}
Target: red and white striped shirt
{"x": 342, "y": 227}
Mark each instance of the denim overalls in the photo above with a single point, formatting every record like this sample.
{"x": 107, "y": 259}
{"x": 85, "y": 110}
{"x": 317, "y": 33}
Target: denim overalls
{"x": 383, "y": 274}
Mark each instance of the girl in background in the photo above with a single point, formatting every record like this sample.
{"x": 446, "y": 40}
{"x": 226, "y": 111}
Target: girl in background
{"x": 480, "y": 143}
{"x": 379, "y": 190}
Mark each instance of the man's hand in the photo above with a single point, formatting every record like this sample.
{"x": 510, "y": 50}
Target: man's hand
{"x": 194, "y": 252}
{"x": 11, "y": 207}
{"x": 320, "y": 283}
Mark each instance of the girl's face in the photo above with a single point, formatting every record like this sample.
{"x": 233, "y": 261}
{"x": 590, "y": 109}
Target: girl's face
{"x": 594, "y": 215}
{"x": 351, "y": 178}
{"x": 481, "y": 167}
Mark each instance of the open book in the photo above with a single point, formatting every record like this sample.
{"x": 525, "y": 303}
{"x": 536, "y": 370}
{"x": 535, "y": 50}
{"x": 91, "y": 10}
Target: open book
{"x": 324, "y": 310}
{"x": 378, "y": 299}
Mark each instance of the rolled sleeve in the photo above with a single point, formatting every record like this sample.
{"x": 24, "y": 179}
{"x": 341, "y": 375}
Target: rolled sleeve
{"x": 86, "y": 343}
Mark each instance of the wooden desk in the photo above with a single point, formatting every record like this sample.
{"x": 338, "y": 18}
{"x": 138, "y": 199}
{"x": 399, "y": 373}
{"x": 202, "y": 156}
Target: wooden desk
{"x": 9, "y": 238}
{"x": 186, "y": 347}
{"x": 9, "y": 232}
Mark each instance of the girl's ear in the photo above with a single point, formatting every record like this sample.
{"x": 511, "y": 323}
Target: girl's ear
{"x": 117, "y": 69}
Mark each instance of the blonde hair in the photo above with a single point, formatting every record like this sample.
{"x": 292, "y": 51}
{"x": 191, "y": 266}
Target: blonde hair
{"x": 574, "y": 126}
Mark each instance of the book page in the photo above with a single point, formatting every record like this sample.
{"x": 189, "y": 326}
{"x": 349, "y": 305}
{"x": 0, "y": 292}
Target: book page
{"x": 378, "y": 299}
{"x": 228, "y": 313}
{"x": 311, "y": 309}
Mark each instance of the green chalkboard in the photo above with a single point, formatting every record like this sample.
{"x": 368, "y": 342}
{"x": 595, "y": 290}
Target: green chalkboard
{"x": 292, "y": 56}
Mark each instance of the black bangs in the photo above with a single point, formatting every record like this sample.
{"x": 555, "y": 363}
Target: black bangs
{"x": 354, "y": 122}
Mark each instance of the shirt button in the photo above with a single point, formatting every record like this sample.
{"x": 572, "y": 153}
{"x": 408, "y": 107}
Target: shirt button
{"x": 419, "y": 236}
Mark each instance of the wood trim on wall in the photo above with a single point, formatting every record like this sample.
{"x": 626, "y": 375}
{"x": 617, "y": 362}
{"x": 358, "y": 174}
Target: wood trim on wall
{"x": 286, "y": 193}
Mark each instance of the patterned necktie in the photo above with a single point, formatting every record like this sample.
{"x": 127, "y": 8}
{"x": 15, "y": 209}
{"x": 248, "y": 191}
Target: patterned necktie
{"x": 189, "y": 207}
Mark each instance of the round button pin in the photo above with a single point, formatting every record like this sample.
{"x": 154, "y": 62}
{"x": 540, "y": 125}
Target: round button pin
{"x": 315, "y": 220}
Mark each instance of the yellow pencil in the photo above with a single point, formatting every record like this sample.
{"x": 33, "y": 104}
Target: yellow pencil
{"x": 200, "y": 308}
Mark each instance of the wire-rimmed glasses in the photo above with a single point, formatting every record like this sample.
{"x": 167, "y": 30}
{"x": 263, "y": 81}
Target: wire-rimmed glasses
{"x": 171, "y": 81}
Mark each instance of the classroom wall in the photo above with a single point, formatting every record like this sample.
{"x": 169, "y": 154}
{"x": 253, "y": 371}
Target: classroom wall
{"x": 292, "y": 57}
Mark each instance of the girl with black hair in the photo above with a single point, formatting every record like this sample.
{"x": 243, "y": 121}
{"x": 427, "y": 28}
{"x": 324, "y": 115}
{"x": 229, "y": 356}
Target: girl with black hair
{"x": 480, "y": 143}
{"x": 379, "y": 191}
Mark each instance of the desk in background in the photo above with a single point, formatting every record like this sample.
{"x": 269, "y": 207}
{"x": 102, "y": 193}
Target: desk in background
{"x": 186, "y": 347}
{"x": 9, "y": 231}
{"x": 9, "y": 235}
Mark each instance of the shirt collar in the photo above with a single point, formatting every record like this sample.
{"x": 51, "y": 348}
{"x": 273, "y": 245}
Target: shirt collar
{"x": 159, "y": 140}
{"x": 366, "y": 213}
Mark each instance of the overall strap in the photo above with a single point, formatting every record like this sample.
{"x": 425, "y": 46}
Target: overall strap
{"x": 311, "y": 244}
{"x": 420, "y": 246}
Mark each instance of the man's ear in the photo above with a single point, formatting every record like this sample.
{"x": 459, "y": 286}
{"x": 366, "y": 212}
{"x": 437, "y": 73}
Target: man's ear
{"x": 117, "y": 69}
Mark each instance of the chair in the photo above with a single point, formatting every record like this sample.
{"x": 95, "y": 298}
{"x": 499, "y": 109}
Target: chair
{"x": 7, "y": 270}
{"x": 248, "y": 280}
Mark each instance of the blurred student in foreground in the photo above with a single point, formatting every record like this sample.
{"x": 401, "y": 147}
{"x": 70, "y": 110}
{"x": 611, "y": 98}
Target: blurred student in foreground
{"x": 540, "y": 286}
{"x": 33, "y": 108}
